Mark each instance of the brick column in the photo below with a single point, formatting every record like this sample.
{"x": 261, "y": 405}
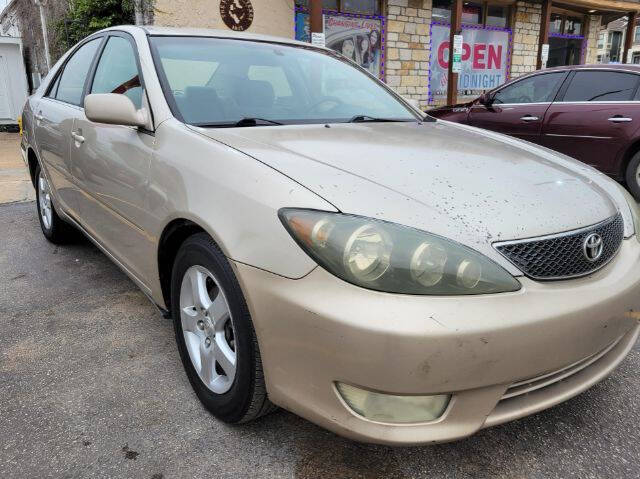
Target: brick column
{"x": 407, "y": 48}
{"x": 526, "y": 33}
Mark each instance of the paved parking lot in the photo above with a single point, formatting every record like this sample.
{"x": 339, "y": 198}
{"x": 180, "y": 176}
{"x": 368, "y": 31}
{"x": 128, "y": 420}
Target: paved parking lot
{"x": 15, "y": 184}
{"x": 91, "y": 386}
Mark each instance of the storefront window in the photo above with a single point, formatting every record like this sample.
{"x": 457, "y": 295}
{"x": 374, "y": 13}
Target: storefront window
{"x": 471, "y": 13}
{"x": 365, "y": 7}
{"x": 441, "y": 11}
{"x": 362, "y": 7}
{"x": 555, "y": 23}
{"x": 636, "y": 35}
{"x": 573, "y": 26}
{"x": 564, "y": 51}
{"x": 351, "y": 27}
{"x": 326, "y": 4}
{"x": 497, "y": 16}
{"x": 564, "y": 24}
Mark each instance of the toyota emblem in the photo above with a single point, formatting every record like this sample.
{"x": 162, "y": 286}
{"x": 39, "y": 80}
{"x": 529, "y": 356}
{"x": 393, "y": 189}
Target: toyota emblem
{"x": 592, "y": 247}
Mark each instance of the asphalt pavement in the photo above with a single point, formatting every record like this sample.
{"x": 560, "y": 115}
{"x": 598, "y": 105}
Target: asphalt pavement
{"x": 91, "y": 385}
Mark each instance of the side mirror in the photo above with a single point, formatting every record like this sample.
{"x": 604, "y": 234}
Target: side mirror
{"x": 485, "y": 99}
{"x": 113, "y": 109}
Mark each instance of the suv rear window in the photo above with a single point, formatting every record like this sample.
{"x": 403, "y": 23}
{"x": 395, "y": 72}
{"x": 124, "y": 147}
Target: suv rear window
{"x": 601, "y": 86}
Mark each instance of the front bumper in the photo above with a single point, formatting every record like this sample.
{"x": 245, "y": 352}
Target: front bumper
{"x": 318, "y": 330}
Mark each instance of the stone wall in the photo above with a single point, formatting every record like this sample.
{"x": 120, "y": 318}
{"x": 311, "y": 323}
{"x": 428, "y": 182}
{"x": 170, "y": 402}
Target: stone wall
{"x": 407, "y": 48}
{"x": 591, "y": 37}
{"x": 526, "y": 35}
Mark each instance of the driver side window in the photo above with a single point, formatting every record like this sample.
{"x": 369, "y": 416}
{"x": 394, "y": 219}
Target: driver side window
{"x": 117, "y": 71}
{"x": 536, "y": 89}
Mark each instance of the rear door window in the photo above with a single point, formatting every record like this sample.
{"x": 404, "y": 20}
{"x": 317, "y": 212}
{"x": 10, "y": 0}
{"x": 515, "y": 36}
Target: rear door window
{"x": 72, "y": 80}
{"x": 601, "y": 86}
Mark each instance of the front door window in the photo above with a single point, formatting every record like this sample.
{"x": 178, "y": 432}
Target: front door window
{"x": 117, "y": 71}
{"x": 535, "y": 89}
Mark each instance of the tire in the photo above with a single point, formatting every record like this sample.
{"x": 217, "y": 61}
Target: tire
{"x": 207, "y": 303}
{"x": 54, "y": 228}
{"x": 632, "y": 176}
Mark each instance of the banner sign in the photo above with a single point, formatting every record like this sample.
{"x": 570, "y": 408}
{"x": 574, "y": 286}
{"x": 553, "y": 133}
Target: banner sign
{"x": 358, "y": 37}
{"x": 485, "y": 60}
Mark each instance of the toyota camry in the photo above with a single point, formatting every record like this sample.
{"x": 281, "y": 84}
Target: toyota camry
{"x": 323, "y": 246}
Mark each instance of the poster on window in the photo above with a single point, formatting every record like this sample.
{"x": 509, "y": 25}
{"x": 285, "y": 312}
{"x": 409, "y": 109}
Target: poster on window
{"x": 485, "y": 60}
{"x": 357, "y": 38}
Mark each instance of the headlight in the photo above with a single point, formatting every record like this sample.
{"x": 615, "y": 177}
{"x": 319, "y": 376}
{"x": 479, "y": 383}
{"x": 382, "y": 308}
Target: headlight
{"x": 388, "y": 257}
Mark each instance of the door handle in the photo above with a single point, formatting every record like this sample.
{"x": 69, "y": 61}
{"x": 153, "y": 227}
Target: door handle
{"x": 529, "y": 118}
{"x": 78, "y": 138}
{"x": 620, "y": 119}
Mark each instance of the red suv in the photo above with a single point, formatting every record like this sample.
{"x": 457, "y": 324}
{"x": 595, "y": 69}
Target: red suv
{"x": 589, "y": 112}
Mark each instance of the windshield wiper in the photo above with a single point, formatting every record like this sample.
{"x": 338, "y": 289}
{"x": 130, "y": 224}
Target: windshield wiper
{"x": 248, "y": 121}
{"x": 367, "y": 118}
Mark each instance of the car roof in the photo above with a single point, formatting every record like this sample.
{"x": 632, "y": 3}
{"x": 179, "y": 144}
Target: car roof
{"x": 207, "y": 32}
{"x": 597, "y": 66}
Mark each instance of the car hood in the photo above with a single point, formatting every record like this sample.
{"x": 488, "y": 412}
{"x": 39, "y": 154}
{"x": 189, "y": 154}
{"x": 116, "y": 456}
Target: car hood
{"x": 470, "y": 185}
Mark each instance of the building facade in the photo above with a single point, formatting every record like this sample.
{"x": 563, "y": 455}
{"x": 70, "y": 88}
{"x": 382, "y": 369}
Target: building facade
{"x": 611, "y": 42}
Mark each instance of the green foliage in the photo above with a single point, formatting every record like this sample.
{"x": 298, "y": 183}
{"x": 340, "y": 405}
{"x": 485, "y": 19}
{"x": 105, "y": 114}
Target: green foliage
{"x": 87, "y": 16}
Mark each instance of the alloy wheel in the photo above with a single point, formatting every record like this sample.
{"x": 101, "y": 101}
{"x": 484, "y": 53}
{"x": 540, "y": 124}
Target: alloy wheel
{"x": 44, "y": 199}
{"x": 208, "y": 329}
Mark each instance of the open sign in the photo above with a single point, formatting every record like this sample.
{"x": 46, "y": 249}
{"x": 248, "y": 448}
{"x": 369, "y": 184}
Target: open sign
{"x": 484, "y": 56}
{"x": 485, "y": 60}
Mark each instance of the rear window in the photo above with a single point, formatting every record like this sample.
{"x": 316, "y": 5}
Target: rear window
{"x": 601, "y": 86}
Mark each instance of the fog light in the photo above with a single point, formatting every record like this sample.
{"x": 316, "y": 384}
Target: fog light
{"x": 393, "y": 409}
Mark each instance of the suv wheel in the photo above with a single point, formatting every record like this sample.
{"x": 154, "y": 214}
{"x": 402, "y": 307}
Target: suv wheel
{"x": 215, "y": 334}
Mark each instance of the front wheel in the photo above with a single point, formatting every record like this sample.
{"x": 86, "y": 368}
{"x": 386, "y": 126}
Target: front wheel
{"x": 632, "y": 176}
{"x": 53, "y": 227}
{"x": 215, "y": 334}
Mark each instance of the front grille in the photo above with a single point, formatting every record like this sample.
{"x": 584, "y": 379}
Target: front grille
{"x": 562, "y": 255}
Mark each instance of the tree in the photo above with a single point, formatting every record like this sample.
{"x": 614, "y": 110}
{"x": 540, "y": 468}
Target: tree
{"x": 87, "y": 16}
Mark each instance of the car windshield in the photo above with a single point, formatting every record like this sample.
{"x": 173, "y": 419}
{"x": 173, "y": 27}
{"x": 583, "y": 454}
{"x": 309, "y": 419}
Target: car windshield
{"x": 229, "y": 82}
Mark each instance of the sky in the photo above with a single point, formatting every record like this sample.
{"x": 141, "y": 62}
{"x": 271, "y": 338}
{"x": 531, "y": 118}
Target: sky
{"x": 3, "y": 3}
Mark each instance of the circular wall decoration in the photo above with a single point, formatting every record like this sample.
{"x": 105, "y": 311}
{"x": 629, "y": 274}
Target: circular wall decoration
{"x": 236, "y": 14}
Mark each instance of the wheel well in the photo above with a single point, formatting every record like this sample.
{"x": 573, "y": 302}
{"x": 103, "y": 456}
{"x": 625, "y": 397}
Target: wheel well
{"x": 174, "y": 234}
{"x": 632, "y": 150}
{"x": 33, "y": 163}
